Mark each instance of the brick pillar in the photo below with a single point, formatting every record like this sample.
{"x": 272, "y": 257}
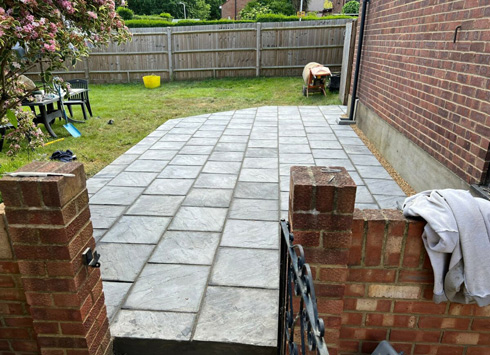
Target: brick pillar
{"x": 321, "y": 206}
{"x": 16, "y": 332}
{"x": 49, "y": 225}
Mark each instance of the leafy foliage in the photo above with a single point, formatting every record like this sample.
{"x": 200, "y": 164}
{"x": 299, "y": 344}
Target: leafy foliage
{"x": 352, "y": 7}
{"x": 194, "y": 8}
{"x": 54, "y": 32}
{"x": 125, "y": 13}
{"x": 257, "y": 8}
{"x": 166, "y": 16}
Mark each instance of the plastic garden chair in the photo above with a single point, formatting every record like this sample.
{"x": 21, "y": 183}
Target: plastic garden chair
{"x": 81, "y": 99}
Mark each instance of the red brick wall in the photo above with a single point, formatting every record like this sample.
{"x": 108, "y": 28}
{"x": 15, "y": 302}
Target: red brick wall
{"x": 16, "y": 330}
{"x": 389, "y": 294}
{"x": 49, "y": 227}
{"x": 373, "y": 278}
{"x": 434, "y": 91}
{"x": 228, "y": 8}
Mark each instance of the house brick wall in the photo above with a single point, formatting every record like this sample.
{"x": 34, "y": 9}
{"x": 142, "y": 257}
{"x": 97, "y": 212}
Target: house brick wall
{"x": 434, "y": 91}
{"x": 228, "y": 8}
{"x": 373, "y": 278}
{"x": 16, "y": 330}
{"x": 49, "y": 227}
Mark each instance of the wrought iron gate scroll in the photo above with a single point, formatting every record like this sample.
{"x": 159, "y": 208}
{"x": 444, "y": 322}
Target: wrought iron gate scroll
{"x": 296, "y": 273}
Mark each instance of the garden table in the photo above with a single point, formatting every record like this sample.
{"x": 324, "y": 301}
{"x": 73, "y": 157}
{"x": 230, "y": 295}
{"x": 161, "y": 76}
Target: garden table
{"x": 48, "y": 112}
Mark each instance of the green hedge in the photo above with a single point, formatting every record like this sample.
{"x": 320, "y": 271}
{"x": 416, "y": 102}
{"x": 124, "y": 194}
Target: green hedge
{"x": 283, "y": 18}
{"x": 138, "y": 23}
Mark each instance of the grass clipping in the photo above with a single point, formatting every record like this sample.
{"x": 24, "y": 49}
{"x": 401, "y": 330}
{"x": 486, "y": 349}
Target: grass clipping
{"x": 407, "y": 189}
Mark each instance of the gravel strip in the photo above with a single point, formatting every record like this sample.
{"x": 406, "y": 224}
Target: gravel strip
{"x": 407, "y": 189}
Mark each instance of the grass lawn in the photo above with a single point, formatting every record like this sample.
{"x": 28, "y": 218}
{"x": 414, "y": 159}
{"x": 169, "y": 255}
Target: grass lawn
{"x": 137, "y": 111}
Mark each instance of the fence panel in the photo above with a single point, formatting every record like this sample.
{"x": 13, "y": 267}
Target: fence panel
{"x": 228, "y": 50}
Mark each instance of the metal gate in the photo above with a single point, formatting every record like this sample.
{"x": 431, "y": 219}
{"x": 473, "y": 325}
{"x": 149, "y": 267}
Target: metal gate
{"x": 296, "y": 277}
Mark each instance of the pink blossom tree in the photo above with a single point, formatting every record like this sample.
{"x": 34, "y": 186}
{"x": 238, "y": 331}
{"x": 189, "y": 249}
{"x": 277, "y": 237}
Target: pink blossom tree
{"x": 54, "y": 31}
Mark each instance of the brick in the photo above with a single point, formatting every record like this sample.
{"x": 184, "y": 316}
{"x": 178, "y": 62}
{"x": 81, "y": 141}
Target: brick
{"x": 438, "y": 349}
{"x": 328, "y": 306}
{"x": 13, "y": 333}
{"x": 390, "y": 320}
{"x": 338, "y": 274}
{"x": 478, "y": 351}
{"x": 416, "y": 276}
{"x": 416, "y": 336}
{"x": 444, "y": 323}
{"x": 355, "y": 290}
{"x": 28, "y": 346}
{"x": 326, "y": 256}
{"x": 371, "y": 275}
{"x": 371, "y": 305}
{"x": 460, "y": 338}
{"x": 307, "y": 239}
{"x": 336, "y": 239}
{"x": 352, "y": 318}
{"x": 419, "y": 307}
{"x": 393, "y": 291}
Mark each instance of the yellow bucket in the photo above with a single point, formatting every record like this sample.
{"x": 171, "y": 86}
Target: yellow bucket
{"x": 151, "y": 81}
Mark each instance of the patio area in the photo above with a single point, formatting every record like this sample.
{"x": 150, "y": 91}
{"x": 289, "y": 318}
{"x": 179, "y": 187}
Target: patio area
{"x": 187, "y": 224}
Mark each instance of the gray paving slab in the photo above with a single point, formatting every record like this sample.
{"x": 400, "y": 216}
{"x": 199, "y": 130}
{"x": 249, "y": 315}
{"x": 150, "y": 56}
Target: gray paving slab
{"x": 110, "y": 171}
{"x": 208, "y": 198}
{"x": 95, "y": 184}
{"x": 187, "y": 159}
{"x": 155, "y": 205}
{"x": 168, "y": 287}
{"x": 158, "y": 154}
{"x": 239, "y": 315}
{"x": 262, "y": 143}
{"x": 114, "y": 293}
{"x": 133, "y": 179}
{"x": 250, "y": 234}
{"x": 186, "y": 248}
{"x": 126, "y": 159}
{"x": 122, "y": 262}
{"x": 260, "y": 163}
{"x": 180, "y": 172}
{"x": 192, "y": 233}
{"x": 233, "y": 139}
{"x": 116, "y": 195}
{"x": 383, "y": 187}
{"x": 197, "y": 149}
{"x": 153, "y": 325}
{"x": 103, "y": 216}
{"x": 137, "y": 230}
{"x": 261, "y": 153}
{"x": 226, "y": 156}
{"x": 373, "y": 172}
{"x": 167, "y": 145}
{"x": 169, "y": 187}
{"x": 259, "y": 175}
{"x": 267, "y": 191}
{"x": 230, "y": 147}
{"x": 246, "y": 268}
{"x": 217, "y": 167}
{"x": 216, "y": 181}
{"x": 254, "y": 209}
{"x": 147, "y": 166}
{"x": 204, "y": 219}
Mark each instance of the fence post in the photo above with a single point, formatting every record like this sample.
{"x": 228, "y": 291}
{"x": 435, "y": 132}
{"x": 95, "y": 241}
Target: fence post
{"x": 259, "y": 48}
{"x": 86, "y": 69}
{"x": 321, "y": 206}
{"x": 49, "y": 226}
{"x": 169, "y": 51}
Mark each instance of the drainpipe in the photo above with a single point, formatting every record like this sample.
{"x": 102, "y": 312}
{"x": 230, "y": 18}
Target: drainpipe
{"x": 358, "y": 65}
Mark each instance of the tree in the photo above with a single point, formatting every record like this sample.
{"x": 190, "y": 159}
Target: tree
{"x": 54, "y": 31}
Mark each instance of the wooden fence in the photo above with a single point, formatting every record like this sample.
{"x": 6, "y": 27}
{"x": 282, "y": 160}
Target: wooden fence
{"x": 230, "y": 50}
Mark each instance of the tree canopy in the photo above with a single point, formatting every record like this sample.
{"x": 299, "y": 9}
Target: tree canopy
{"x": 54, "y": 31}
